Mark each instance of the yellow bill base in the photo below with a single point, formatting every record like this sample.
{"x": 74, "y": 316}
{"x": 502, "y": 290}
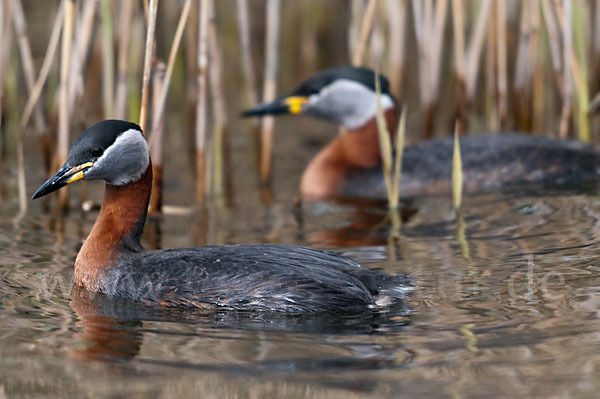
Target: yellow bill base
{"x": 78, "y": 172}
{"x": 295, "y": 103}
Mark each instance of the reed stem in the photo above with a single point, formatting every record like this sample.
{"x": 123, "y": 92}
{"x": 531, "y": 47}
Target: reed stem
{"x": 125, "y": 14}
{"x": 269, "y": 86}
{"x": 156, "y": 150}
{"x": 201, "y": 78}
{"x": 397, "y": 40}
{"x": 108, "y": 74}
{"x": 159, "y": 110}
{"x": 45, "y": 69}
{"x": 26, "y": 58}
{"x": 63, "y": 111}
{"x": 218, "y": 106}
{"x": 80, "y": 51}
{"x": 365, "y": 31}
{"x": 246, "y": 55}
{"x": 457, "y": 173}
{"x": 149, "y": 48}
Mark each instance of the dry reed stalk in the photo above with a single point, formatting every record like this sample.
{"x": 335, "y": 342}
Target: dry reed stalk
{"x": 524, "y": 69}
{"x": 490, "y": 97}
{"x": 108, "y": 73}
{"x": 376, "y": 45}
{"x": 5, "y": 53}
{"x": 429, "y": 23}
{"x": 552, "y": 31}
{"x": 21, "y": 183}
{"x": 460, "y": 67}
{"x": 356, "y": 13}
{"x": 218, "y": 106}
{"x": 269, "y": 86}
{"x": 190, "y": 57}
{"x": 475, "y": 46}
{"x": 201, "y": 116}
{"x": 63, "y": 112}
{"x": 156, "y": 151}
{"x": 564, "y": 18}
{"x": 2, "y": 58}
{"x": 149, "y": 48}
{"x": 308, "y": 37}
{"x": 31, "y": 101}
{"x": 159, "y": 111}
{"x": 45, "y": 69}
{"x": 248, "y": 72}
{"x": 502, "y": 74}
{"x": 385, "y": 147}
{"x": 125, "y": 14}
{"x": 365, "y": 30}
{"x": 80, "y": 50}
{"x": 246, "y": 53}
{"x": 538, "y": 86}
{"x": 26, "y": 58}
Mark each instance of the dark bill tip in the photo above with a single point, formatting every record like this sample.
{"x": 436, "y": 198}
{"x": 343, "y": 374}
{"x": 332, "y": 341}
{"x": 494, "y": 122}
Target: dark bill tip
{"x": 277, "y": 107}
{"x": 54, "y": 183}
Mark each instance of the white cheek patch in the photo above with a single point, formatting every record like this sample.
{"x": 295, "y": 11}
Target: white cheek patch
{"x": 348, "y": 103}
{"x": 124, "y": 161}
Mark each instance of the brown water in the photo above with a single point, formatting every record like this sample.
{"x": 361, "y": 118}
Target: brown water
{"x": 511, "y": 310}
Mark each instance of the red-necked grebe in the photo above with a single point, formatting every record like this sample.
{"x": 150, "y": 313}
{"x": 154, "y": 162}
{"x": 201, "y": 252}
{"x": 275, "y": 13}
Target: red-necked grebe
{"x": 240, "y": 277}
{"x": 350, "y": 165}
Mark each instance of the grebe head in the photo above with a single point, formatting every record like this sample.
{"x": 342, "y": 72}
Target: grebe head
{"x": 343, "y": 95}
{"x": 111, "y": 150}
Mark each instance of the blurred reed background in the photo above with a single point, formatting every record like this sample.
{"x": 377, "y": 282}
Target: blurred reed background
{"x": 487, "y": 65}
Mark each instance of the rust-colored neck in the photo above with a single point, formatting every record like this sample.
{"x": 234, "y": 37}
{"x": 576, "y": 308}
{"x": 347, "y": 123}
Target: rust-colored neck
{"x": 350, "y": 150}
{"x": 117, "y": 228}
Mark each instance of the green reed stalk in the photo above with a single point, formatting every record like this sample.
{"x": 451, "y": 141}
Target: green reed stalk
{"x": 400, "y": 140}
{"x": 457, "y": 173}
{"x": 581, "y": 86}
{"x": 392, "y": 167}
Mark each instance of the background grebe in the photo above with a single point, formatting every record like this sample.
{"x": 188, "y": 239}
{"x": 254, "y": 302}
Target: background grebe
{"x": 241, "y": 277}
{"x": 350, "y": 165}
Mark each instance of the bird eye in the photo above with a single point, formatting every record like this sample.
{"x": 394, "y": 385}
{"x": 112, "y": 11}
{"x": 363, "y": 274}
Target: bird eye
{"x": 97, "y": 151}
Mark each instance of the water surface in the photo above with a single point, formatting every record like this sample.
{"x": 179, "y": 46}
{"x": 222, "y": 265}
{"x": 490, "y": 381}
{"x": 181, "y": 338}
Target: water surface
{"x": 511, "y": 310}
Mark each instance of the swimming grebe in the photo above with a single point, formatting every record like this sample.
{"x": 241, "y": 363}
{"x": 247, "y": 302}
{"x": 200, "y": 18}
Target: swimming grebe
{"x": 350, "y": 165}
{"x": 241, "y": 277}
